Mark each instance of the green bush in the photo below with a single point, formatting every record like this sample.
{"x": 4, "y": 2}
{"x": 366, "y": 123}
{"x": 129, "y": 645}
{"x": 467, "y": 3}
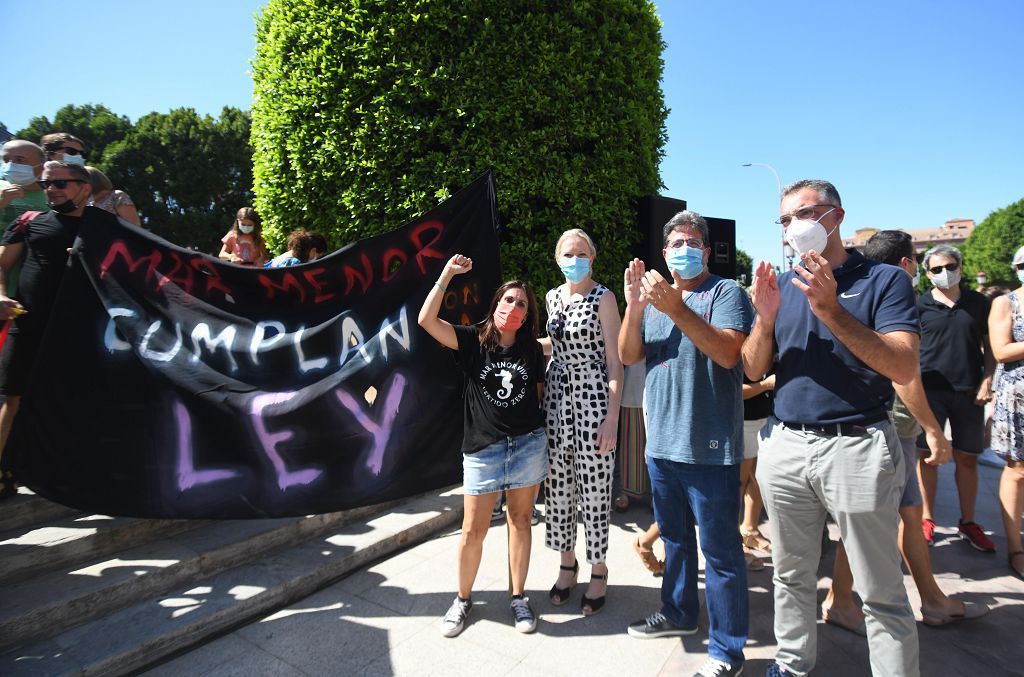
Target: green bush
{"x": 992, "y": 244}
{"x": 368, "y": 112}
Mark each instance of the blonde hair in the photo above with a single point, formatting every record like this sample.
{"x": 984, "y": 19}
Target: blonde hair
{"x": 575, "y": 232}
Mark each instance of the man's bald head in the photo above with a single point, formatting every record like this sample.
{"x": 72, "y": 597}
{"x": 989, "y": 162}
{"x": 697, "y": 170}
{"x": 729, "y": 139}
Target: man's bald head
{"x": 22, "y": 152}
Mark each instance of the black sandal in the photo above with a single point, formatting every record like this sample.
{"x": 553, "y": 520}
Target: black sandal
{"x": 597, "y": 603}
{"x": 560, "y": 596}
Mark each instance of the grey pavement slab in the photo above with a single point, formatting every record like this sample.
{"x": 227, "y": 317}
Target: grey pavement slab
{"x": 385, "y": 618}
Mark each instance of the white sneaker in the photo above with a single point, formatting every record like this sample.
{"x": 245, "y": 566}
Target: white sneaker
{"x": 455, "y": 619}
{"x": 715, "y": 668}
{"x": 525, "y": 621}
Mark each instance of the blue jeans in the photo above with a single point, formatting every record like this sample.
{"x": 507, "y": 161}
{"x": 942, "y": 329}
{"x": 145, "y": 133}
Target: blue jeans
{"x": 688, "y": 495}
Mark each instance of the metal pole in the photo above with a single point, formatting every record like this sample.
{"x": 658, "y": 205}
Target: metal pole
{"x": 778, "y": 185}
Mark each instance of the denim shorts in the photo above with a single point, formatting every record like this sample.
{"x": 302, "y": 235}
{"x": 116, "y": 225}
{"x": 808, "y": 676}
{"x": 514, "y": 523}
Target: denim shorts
{"x": 912, "y": 490}
{"x": 511, "y": 463}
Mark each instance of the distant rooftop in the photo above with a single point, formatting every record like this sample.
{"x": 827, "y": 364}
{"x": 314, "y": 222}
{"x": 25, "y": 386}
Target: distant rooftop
{"x": 953, "y": 231}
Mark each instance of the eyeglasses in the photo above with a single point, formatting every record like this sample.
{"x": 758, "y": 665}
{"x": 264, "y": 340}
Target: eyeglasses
{"x": 692, "y": 242}
{"x": 556, "y": 325}
{"x": 58, "y": 183}
{"x": 68, "y": 150}
{"x": 935, "y": 270}
{"x": 802, "y": 214}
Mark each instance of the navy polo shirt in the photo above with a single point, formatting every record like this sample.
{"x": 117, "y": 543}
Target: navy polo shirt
{"x": 952, "y": 341}
{"x": 818, "y": 381}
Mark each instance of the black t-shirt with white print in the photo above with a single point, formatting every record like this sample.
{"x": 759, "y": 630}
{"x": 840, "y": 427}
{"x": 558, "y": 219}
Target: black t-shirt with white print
{"x": 501, "y": 391}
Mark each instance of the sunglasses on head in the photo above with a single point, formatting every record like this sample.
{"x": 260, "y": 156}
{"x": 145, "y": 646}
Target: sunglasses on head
{"x": 58, "y": 183}
{"x": 556, "y": 325}
{"x": 935, "y": 270}
{"x": 68, "y": 150}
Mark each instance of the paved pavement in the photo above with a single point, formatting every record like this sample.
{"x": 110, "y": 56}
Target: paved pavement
{"x": 384, "y": 620}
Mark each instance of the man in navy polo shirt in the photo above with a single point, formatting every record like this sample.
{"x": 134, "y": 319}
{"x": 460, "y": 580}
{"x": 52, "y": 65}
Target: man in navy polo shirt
{"x": 845, "y": 328}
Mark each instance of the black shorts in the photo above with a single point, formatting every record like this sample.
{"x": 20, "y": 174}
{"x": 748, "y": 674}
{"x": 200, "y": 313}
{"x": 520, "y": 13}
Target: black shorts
{"x": 966, "y": 419}
{"x": 19, "y": 352}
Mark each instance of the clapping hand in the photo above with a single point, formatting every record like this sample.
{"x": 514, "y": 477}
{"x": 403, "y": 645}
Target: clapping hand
{"x": 631, "y": 288}
{"x": 765, "y": 291}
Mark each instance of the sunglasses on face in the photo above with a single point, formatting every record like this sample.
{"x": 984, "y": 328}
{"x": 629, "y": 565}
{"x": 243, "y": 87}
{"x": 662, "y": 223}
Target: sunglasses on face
{"x": 556, "y": 326}
{"x": 1019, "y": 266}
{"x": 68, "y": 150}
{"x": 935, "y": 270}
{"x": 58, "y": 183}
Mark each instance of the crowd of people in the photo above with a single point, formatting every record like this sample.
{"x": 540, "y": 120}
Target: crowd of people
{"x": 823, "y": 392}
{"x": 48, "y": 194}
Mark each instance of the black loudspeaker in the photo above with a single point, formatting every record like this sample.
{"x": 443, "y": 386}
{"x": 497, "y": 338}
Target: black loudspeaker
{"x": 654, "y": 211}
{"x": 722, "y": 261}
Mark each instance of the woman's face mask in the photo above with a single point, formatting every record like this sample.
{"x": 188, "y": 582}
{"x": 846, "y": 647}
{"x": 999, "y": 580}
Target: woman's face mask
{"x": 509, "y": 317}
{"x": 575, "y": 268}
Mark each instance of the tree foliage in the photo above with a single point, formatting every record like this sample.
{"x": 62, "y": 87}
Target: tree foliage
{"x": 96, "y": 125}
{"x": 992, "y": 244}
{"x": 187, "y": 173}
{"x": 367, "y": 112}
{"x": 744, "y": 266}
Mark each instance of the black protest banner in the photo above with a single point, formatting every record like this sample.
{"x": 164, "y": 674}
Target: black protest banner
{"x": 171, "y": 384}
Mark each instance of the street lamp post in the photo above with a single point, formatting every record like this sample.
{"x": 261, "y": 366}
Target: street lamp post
{"x": 778, "y": 184}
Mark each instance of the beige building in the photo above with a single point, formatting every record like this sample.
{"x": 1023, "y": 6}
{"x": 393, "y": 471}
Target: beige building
{"x": 953, "y": 232}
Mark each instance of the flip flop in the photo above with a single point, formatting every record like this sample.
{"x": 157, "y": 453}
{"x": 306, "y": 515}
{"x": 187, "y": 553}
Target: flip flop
{"x": 937, "y": 618}
{"x": 859, "y": 629}
{"x": 650, "y": 561}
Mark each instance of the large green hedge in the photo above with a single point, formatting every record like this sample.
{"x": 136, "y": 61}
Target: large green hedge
{"x": 367, "y": 112}
{"x": 993, "y": 243}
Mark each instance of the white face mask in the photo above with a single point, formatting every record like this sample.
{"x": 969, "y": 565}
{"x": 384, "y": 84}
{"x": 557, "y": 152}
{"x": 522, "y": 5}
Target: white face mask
{"x": 947, "y": 279}
{"x": 245, "y": 229}
{"x": 915, "y": 279}
{"x": 803, "y": 236}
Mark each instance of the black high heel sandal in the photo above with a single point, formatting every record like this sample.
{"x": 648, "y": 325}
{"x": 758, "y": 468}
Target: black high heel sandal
{"x": 560, "y": 596}
{"x": 597, "y": 603}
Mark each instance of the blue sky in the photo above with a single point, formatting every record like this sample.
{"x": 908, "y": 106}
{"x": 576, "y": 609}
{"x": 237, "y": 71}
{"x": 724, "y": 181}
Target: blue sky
{"x": 913, "y": 109}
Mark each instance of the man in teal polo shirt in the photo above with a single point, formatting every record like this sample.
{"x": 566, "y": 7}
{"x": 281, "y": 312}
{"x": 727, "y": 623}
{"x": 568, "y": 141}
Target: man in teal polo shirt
{"x": 845, "y": 328}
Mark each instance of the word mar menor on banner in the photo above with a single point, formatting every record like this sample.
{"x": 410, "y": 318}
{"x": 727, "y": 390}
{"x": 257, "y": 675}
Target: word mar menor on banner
{"x": 171, "y": 384}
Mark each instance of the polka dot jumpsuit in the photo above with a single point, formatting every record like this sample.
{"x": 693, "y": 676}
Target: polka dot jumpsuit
{"x": 575, "y": 405}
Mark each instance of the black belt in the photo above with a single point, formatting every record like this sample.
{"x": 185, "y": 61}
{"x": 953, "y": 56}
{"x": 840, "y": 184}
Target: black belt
{"x": 837, "y": 429}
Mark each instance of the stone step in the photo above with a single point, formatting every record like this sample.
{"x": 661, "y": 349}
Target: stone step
{"x": 32, "y": 550}
{"x": 47, "y": 604}
{"x": 191, "y": 613}
{"x": 26, "y": 510}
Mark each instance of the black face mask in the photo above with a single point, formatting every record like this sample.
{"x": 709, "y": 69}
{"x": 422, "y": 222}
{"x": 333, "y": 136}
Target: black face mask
{"x": 64, "y": 207}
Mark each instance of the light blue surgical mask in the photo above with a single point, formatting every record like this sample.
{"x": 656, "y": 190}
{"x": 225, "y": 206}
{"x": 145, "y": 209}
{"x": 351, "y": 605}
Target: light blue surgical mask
{"x": 18, "y": 173}
{"x": 70, "y": 159}
{"x": 687, "y": 261}
{"x": 1020, "y": 276}
{"x": 575, "y": 268}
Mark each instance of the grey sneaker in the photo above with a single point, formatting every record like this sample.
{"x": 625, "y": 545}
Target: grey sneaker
{"x": 455, "y": 619}
{"x": 715, "y": 668}
{"x": 656, "y": 625}
{"x": 525, "y": 621}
